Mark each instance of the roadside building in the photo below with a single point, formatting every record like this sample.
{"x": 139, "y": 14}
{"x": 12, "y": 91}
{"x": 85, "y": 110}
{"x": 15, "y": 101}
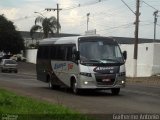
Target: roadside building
{"x": 148, "y": 62}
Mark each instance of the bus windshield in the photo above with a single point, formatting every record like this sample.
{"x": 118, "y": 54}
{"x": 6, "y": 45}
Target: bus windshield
{"x": 100, "y": 52}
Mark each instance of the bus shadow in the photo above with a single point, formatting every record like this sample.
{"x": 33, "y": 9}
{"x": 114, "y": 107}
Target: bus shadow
{"x": 90, "y": 93}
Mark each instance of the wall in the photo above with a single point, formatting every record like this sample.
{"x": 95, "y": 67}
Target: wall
{"x": 156, "y": 61}
{"x": 145, "y": 59}
{"x": 148, "y": 62}
{"x": 31, "y": 55}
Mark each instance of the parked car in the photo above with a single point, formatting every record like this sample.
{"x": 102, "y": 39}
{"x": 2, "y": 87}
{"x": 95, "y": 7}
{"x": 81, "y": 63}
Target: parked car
{"x": 6, "y": 56}
{"x": 18, "y": 57}
{"x": 1, "y": 56}
{"x": 8, "y": 65}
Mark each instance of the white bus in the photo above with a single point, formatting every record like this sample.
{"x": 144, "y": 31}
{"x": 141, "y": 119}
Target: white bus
{"x": 83, "y": 62}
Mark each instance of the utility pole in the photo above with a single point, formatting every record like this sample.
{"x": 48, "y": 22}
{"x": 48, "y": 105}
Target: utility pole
{"x": 55, "y": 9}
{"x": 155, "y": 19}
{"x": 88, "y": 14}
{"x": 155, "y": 23}
{"x": 136, "y": 37}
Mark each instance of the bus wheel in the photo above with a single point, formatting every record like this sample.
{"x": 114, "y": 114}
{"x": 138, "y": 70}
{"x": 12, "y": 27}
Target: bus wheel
{"x": 2, "y": 70}
{"x": 115, "y": 91}
{"x": 51, "y": 86}
{"x": 74, "y": 87}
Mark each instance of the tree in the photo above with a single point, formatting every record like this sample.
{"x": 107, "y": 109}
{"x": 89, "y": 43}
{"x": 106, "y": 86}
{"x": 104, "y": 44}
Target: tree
{"x": 48, "y": 25}
{"x": 10, "y": 39}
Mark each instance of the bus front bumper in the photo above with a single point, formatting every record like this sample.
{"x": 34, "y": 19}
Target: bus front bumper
{"x": 92, "y": 84}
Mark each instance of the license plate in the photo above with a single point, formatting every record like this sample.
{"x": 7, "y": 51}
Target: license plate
{"x": 106, "y": 80}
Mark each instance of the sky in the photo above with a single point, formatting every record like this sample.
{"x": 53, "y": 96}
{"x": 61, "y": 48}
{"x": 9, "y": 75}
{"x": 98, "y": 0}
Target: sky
{"x": 108, "y": 17}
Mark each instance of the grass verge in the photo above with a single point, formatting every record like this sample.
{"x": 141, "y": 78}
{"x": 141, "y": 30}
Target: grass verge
{"x": 24, "y": 108}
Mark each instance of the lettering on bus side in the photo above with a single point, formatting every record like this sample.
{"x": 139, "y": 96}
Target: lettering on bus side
{"x": 63, "y": 66}
{"x": 70, "y": 66}
{"x": 60, "y": 65}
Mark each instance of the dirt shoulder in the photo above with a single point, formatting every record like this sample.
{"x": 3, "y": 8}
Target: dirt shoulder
{"x": 148, "y": 81}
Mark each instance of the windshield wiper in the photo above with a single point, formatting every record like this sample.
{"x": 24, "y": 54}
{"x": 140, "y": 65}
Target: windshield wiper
{"x": 114, "y": 60}
{"x": 93, "y": 61}
{"x": 102, "y": 60}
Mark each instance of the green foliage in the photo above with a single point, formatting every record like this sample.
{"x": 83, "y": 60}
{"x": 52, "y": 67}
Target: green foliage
{"x": 10, "y": 39}
{"x": 29, "y": 109}
{"x": 47, "y": 25}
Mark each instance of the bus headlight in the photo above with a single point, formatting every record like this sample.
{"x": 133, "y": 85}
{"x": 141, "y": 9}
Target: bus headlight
{"x": 122, "y": 82}
{"x": 85, "y": 82}
{"x": 86, "y": 74}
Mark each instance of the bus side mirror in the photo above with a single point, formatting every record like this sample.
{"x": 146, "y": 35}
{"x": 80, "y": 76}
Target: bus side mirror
{"x": 125, "y": 55}
{"x": 77, "y": 55}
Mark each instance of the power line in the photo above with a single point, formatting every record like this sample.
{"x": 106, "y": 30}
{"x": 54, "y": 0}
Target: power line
{"x": 128, "y": 7}
{"x": 150, "y": 5}
{"x": 27, "y": 17}
{"x": 155, "y": 18}
{"x": 125, "y": 27}
{"x": 83, "y": 5}
{"x": 108, "y": 12}
{"x": 116, "y": 27}
{"x": 108, "y": 32}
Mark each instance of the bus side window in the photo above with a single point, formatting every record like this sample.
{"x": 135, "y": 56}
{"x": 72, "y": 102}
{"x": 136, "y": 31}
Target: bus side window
{"x": 73, "y": 53}
{"x": 53, "y": 52}
{"x": 46, "y": 52}
{"x": 40, "y": 52}
{"x": 69, "y": 53}
{"x": 60, "y": 53}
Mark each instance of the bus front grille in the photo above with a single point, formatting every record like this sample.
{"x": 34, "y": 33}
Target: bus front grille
{"x": 107, "y": 79}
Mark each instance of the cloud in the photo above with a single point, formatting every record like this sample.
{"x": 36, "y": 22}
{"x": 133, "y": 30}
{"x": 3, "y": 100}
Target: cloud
{"x": 67, "y": 3}
{"x": 33, "y": 0}
{"x": 103, "y": 16}
{"x": 10, "y": 13}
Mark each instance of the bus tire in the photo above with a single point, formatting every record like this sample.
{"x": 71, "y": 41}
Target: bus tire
{"x": 50, "y": 84}
{"x": 16, "y": 71}
{"x": 74, "y": 87}
{"x": 115, "y": 91}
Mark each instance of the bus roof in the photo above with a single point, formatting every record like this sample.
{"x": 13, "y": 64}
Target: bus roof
{"x": 68, "y": 40}
{"x": 59, "y": 40}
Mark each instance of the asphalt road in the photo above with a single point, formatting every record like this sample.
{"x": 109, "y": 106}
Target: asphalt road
{"x": 132, "y": 99}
